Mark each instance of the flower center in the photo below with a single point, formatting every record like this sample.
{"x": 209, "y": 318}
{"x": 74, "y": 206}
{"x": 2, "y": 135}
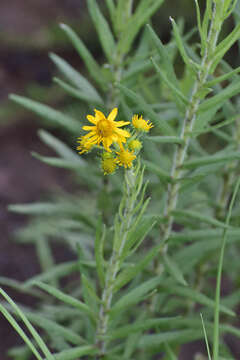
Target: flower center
{"x": 104, "y": 128}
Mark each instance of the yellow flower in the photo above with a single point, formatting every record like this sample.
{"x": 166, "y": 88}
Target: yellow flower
{"x": 85, "y": 144}
{"x": 140, "y": 124}
{"x": 108, "y": 164}
{"x": 135, "y": 145}
{"x": 125, "y": 158}
{"x": 106, "y": 130}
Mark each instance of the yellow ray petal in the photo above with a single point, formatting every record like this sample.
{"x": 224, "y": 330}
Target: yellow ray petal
{"x": 112, "y": 114}
{"x": 121, "y": 123}
{"x": 91, "y": 119}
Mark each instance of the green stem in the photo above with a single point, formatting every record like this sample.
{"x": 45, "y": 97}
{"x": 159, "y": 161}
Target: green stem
{"x": 188, "y": 124}
{"x": 115, "y": 260}
{"x": 230, "y": 175}
{"x": 219, "y": 275}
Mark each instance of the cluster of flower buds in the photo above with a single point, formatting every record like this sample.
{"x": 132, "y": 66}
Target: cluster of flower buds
{"x": 119, "y": 147}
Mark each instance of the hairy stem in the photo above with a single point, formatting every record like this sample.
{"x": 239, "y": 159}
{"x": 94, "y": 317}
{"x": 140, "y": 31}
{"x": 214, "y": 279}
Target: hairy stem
{"x": 188, "y": 124}
{"x": 115, "y": 260}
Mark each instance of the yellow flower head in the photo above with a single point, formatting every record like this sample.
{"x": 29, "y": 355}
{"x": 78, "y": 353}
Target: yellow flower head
{"x": 105, "y": 130}
{"x": 85, "y": 144}
{"x": 135, "y": 145}
{"x": 108, "y": 164}
{"x": 125, "y": 158}
{"x": 140, "y": 124}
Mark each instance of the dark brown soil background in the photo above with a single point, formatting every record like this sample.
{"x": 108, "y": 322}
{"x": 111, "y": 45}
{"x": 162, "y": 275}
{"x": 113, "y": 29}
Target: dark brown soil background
{"x": 25, "y": 40}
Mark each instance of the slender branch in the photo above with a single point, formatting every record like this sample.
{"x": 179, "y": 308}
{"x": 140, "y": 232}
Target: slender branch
{"x": 115, "y": 260}
{"x": 188, "y": 125}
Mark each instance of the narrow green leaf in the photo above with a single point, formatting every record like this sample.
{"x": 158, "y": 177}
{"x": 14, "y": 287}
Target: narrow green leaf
{"x": 223, "y": 95}
{"x": 29, "y": 326}
{"x": 222, "y": 78}
{"x": 224, "y": 45}
{"x": 57, "y": 272}
{"x": 59, "y": 147}
{"x": 54, "y": 116}
{"x": 163, "y": 53}
{"x": 165, "y": 139}
{"x": 74, "y": 353}
{"x": 180, "y": 45}
{"x": 140, "y": 326}
{"x": 219, "y": 275}
{"x": 76, "y": 79}
{"x": 154, "y": 117}
{"x": 52, "y": 327}
{"x": 140, "y": 17}
{"x": 58, "y": 162}
{"x": 136, "y": 295}
{"x": 197, "y": 297}
{"x": 103, "y": 29}
{"x": 21, "y": 333}
{"x": 199, "y": 217}
{"x": 99, "y": 244}
{"x": 128, "y": 274}
{"x": 67, "y": 299}
{"x": 92, "y": 66}
{"x": 205, "y": 337}
{"x": 211, "y": 159}
{"x": 169, "y": 84}
{"x": 176, "y": 337}
{"x": 139, "y": 231}
{"x": 169, "y": 352}
{"x": 174, "y": 270}
{"x": 155, "y": 169}
{"x": 76, "y": 93}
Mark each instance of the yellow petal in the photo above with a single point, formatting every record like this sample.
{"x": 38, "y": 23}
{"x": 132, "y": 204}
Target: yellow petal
{"x": 91, "y": 119}
{"x": 121, "y": 123}
{"x": 89, "y": 128}
{"x": 107, "y": 142}
{"x": 113, "y": 114}
{"x": 122, "y": 132}
{"x": 99, "y": 115}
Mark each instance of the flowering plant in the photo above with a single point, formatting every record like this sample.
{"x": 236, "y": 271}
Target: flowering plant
{"x": 142, "y": 264}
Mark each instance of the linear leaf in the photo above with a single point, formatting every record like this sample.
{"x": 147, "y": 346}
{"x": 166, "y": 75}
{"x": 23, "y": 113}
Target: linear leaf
{"x": 57, "y": 272}
{"x": 74, "y": 353}
{"x": 165, "y": 139}
{"x": 199, "y": 217}
{"x": 139, "y": 18}
{"x": 99, "y": 243}
{"x": 174, "y": 270}
{"x": 140, "y": 326}
{"x": 177, "y": 93}
{"x": 178, "y": 337}
{"x": 223, "y": 95}
{"x": 64, "y": 297}
{"x": 54, "y": 116}
{"x": 154, "y": 117}
{"x": 103, "y": 29}
{"x": 59, "y": 146}
{"x": 76, "y": 78}
{"x": 136, "y": 295}
{"x": 21, "y": 333}
{"x": 76, "y": 93}
{"x": 211, "y": 159}
{"x": 128, "y": 274}
{"x": 29, "y": 326}
{"x": 92, "y": 66}
{"x": 197, "y": 297}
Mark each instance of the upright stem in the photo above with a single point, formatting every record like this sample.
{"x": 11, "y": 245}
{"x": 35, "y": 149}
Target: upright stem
{"x": 229, "y": 177}
{"x": 115, "y": 261}
{"x": 188, "y": 124}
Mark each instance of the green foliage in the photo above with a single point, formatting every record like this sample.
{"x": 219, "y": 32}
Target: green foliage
{"x": 146, "y": 242}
